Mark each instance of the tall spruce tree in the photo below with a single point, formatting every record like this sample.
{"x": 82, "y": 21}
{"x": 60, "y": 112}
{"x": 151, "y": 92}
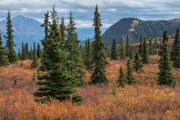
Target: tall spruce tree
{"x": 165, "y": 39}
{"x": 105, "y": 47}
{"x": 141, "y": 46}
{"x": 114, "y": 53}
{"x": 130, "y": 77}
{"x": 88, "y": 55}
{"x": 19, "y": 53}
{"x": 27, "y": 50}
{"x": 3, "y": 54}
{"x": 127, "y": 46}
{"x": 122, "y": 49}
{"x": 23, "y": 52}
{"x": 81, "y": 50}
{"x": 145, "y": 55}
{"x": 62, "y": 32}
{"x": 35, "y": 59}
{"x": 137, "y": 62}
{"x": 150, "y": 47}
{"x": 31, "y": 54}
{"x": 131, "y": 52}
{"x": 59, "y": 82}
{"x": 12, "y": 56}
{"x": 39, "y": 53}
{"x": 121, "y": 79}
{"x": 99, "y": 57}
{"x": 72, "y": 45}
{"x": 165, "y": 76}
{"x": 45, "y": 42}
{"x": 176, "y": 50}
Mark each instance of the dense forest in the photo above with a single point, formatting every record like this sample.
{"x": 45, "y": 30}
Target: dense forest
{"x": 65, "y": 80}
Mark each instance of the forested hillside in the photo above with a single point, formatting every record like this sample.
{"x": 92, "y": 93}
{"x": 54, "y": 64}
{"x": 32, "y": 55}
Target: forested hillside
{"x": 135, "y": 27}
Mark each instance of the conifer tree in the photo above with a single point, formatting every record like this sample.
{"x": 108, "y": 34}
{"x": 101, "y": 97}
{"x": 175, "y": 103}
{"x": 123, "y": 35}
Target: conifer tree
{"x": 141, "y": 46}
{"x": 122, "y": 49}
{"x": 39, "y": 51}
{"x": 12, "y": 56}
{"x": 165, "y": 38}
{"x": 121, "y": 80}
{"x": 105, "y": 47}
{"x": 130, "y": 77}
{"x": 3, "y": 54}
{"x": 23, "y": 52}
{"x": 127, "y": 46}
{"x": 99, "y": 57}
{"x": 88, "y": 55}
{"x": 27, "y": 50}
{"x": 31, "y": 54}
{"x": 62, "y": 32}
{"x": 114, "y": 53}
{"x": 19, "y": 54}
{"x": 137, "y": 62}
{"x": 34, "y": 62}
{"x": 176, "y": 50}
{"x": 81, "y": 50}
{"x": 145, "y": 56}
{"x": 150, "y": 48}
{"x": 131, "y": 52}
{"x": 60, "y": 83}
{"x": 72, "y": 45}
{"x": 165, "y": 76}
{"x": 45, "y": 42}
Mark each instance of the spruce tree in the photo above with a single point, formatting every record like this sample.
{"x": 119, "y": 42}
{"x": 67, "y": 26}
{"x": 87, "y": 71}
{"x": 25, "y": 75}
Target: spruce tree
{"x": 176, "y": 50}
{"x": 72, "y": 45}
{"x": 45, "y": 42}
{"x": 62, "y": 32}
{"x": 165, "y": 76}
{"x": 81, "y": 50}
{"x": 23, "y": 52}
{"x": 141, "y": 46}
{"x": 39, "y": 51}
{"x": 27, "y": 50}
{"x": 58, "y": 83}
{"x": 150, "y": 48}
{"x": 12, "y": 56}
{"x": 121, "y": 79}
{"x": 34, "y": 62}
{"x": 99, "y": 57}
{"x": 88, "y": 55}
{"x": 19, "y": 54}
{"x": 145, "y": 56}
{"x": 130, "y": 77}
{"x": 3, "y": 54}
{"x": 165, "y": 39}
{"x": 131, "y": 53}
{"x": 114, "y": 53}
{"x": 105, "y": 47}
{"x": 122, "y": 49}
{"x": 31, "y": 54}
{"x": 127, "y": 46}
{"x": 137, "y": 62}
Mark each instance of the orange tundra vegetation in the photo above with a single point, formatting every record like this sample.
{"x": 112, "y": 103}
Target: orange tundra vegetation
{"x": 144, "y": 100}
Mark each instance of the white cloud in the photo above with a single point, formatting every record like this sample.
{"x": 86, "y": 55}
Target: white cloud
{"x": 111, "y": 9}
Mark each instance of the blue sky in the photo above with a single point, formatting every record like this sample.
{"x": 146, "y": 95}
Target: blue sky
{"x": 111, "y": 10}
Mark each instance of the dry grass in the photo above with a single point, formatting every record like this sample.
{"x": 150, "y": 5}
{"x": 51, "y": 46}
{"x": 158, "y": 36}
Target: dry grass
{"x": 137, "y": 102}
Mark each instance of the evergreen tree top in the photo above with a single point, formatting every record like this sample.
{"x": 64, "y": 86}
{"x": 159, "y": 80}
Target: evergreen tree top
{"x": 165, "y": 37}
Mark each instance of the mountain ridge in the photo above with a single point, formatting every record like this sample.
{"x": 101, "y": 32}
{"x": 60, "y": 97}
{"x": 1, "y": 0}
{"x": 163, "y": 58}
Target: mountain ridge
{"x": 135, "y": 27}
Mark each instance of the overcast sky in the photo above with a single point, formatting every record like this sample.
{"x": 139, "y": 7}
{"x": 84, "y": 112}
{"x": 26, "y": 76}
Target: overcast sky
{"x": 111, "y": 10}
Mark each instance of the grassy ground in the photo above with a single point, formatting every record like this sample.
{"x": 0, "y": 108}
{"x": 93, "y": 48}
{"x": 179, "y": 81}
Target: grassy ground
{"x": 144, "y": 100}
